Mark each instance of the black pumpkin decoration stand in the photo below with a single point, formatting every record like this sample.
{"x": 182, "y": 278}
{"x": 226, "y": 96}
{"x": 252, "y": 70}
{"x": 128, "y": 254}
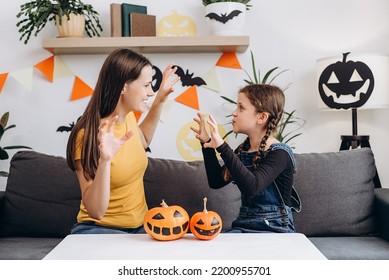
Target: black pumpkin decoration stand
{"x": 346, "y": 85}
{"x": 354, "y": 141}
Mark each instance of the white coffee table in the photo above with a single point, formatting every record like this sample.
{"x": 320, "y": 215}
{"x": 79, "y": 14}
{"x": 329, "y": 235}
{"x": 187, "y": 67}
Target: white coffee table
{"x": 233, "y": 246}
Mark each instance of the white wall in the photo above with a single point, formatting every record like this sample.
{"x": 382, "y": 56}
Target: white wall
{"x": 290, "y": 34}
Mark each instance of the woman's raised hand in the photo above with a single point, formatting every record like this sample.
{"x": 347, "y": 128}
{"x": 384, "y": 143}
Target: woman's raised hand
{"x": 109, "y": 145}
{"x": 167, "y": 83}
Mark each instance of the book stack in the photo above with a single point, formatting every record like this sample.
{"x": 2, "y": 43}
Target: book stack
{"x": 129, "y": 20}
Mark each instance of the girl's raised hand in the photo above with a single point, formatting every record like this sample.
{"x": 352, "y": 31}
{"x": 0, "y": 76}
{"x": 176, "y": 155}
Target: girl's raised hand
{"x": 201, "y": 132}
{"x": 109, "y": 145}
{"x": 216, "y": 139}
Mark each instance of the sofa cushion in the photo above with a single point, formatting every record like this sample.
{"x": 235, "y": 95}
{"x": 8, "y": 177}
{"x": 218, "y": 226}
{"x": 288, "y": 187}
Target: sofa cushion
{"x": 337, "y": 193}
{"x": 42, "y": 196}
{"x": 352, "y": 247}
{"x": 185, "y": 184}
{"x": 26, "y": 248}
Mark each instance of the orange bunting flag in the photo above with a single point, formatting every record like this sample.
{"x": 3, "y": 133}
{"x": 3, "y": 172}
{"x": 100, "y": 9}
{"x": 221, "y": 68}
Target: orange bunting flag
{"x": 47, "y": 68}
{"x": 3, "y": 77}
{"x": 80, "y": 89}
{"x": 137, "y": 115}
{"x": 189, "y": 98}
{"x": 229, "y": 60}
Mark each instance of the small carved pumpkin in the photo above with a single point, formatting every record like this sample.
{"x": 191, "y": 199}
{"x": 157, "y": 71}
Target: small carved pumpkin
{"x": 205, "y": 225}
{"x": 166, "y": 222}
{"x": 345, "y": 85}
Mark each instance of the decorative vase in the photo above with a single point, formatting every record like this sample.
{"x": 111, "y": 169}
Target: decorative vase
{"x": 226, "y": 18}
{"x": 72, "y": 27}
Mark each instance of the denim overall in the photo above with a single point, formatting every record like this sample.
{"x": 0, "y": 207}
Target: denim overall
{"x": 267, "y": 211}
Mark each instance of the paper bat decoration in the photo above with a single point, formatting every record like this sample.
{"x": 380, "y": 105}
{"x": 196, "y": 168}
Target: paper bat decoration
{"x": 223, "y": 18}
{"x": 186, "y": 78}
{"x": 157, "y": 79}
{"x": 65, "y": 128}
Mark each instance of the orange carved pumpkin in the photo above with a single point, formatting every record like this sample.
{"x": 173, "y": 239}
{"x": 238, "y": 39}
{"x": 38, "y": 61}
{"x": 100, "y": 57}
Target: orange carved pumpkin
{"x": 166, "y": 222}
{"x": 205, "y": 225}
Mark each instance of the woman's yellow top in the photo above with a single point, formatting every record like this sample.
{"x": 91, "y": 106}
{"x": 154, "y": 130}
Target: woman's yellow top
{"x": 127, "y": 203}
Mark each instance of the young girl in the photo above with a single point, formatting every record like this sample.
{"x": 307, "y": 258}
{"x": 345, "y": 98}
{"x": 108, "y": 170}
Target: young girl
{"x": 261, "y": 167}
{"x": 106, "y": 147}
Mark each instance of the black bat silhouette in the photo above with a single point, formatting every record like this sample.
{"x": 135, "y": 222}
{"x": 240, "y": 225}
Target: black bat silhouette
{"x": 223, "y": 18}
{"x": 186, "y": 78}
{"x": 63, "y": 128}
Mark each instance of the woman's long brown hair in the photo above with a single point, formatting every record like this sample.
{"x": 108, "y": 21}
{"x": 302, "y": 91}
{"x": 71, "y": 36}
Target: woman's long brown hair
{"x": 121, "y": 66}
{"x": 265, "y": 98}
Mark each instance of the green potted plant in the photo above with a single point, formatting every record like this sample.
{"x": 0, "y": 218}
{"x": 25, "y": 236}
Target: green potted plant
{"x": 226, "y": 17}
{"x": 3, "y": 153}
{"x": 284, "y": 133}
{"x": 35, "y": 14}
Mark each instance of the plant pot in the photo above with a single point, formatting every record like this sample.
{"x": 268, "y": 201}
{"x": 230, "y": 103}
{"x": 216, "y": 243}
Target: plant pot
{"x": 226, "y": 18}
{"x": 72, "y": 27}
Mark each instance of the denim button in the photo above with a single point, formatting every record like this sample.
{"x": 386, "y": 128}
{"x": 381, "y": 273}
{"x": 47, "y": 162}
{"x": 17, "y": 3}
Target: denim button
{"x": 283, "y": 211}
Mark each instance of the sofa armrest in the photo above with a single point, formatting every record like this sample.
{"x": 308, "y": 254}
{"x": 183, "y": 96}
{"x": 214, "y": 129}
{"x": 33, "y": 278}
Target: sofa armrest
{"x": 381, "y": 203}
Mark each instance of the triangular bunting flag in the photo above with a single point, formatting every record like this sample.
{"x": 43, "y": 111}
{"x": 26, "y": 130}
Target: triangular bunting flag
{"x": 137, "y": 115}
{"x": 80, "y": 89}
{"x": 229, "y": 60}
{"x": 3, "y": 77}
{"x": 212, "y": 80}
{"x": 61, "y": 69}
{"x": 189, "y": 98}
{"x": 166, "y": 109}
{"x": 24, "y": 77}
{"x": 47, "y": 68}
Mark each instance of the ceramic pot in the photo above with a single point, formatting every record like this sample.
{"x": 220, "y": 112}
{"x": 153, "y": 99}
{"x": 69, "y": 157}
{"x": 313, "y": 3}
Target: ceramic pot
{"x": 72, "y": 27}
{"x": 226, "y": 18}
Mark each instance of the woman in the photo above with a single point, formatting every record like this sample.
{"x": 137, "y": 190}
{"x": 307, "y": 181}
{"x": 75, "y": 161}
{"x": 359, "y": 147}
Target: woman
{"x": 106, "y": 147}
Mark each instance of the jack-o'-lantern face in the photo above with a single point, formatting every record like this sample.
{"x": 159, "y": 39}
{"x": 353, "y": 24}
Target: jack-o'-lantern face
{"x": 176, "y": 25}
{"x": 205, "y": 225}
{"x": 188, "y": 145}
{"x": 166, "y": 222}
{"x": 209, "y": 226}
{"x": 344, "y": 85}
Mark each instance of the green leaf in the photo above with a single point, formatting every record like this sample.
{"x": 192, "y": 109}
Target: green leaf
{"x": 256, "y": 79}
{"x": 228, "y": 99}
{"x": 10, "y": 126}
{"x": 3, "y": 154}
{"x": 1, "y": 131}
{"x": 228, "y": 133}
{"x": 4, "y": 119}
{"x": 16, "y": 147}
{"x": 267, "y": 75}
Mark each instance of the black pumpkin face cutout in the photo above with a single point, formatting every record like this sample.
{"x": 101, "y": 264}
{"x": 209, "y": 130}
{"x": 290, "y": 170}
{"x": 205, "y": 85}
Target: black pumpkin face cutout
{"x": 207, "y": 227}
{"x": 166, "y": 222}
{"x": 345, "y": 85}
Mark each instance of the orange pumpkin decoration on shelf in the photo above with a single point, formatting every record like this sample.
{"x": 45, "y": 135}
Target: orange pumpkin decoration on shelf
{"x": 205, "y": 225}
{"x": 166, "y": 222}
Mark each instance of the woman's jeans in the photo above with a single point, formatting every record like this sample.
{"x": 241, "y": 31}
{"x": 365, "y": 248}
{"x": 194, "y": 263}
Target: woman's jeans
{"x": 92, "y": 228}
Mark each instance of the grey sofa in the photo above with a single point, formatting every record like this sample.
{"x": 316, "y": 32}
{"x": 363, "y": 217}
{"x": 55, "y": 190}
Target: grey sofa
{"x": 343, "y": 214}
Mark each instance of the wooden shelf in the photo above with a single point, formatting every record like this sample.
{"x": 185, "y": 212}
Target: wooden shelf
{"x": 104, "y": 45}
